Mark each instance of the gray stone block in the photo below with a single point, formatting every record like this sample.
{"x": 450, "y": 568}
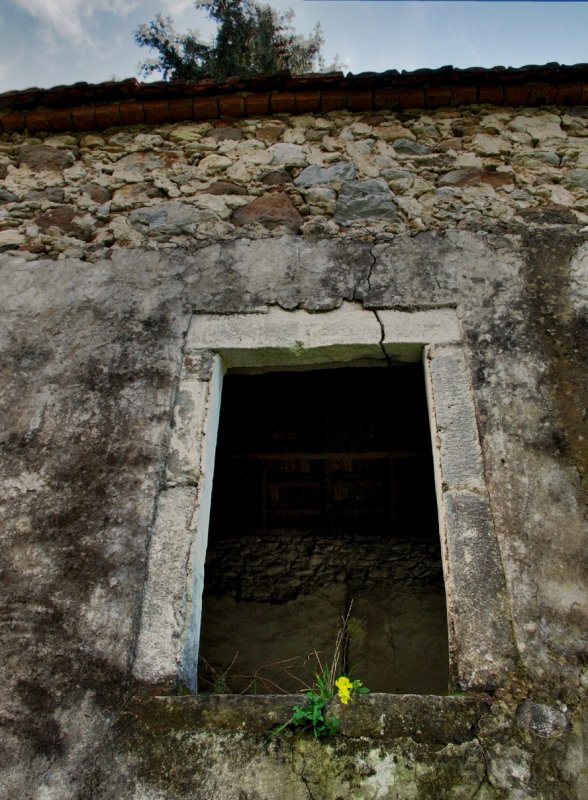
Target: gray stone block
{"x": 314, "y": 175}
{"x": 411, "y": 148}
{"x": 478, "y": 606}
{"x": 170, "y": 217}
{"x": 453, "y": 410}
{"x": 362, "y": 200}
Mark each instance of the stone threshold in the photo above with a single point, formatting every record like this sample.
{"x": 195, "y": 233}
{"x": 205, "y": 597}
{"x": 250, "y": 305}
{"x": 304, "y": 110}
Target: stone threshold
{"x": 431, "y": 719}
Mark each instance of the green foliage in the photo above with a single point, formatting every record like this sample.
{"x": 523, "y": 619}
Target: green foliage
{"x": 250, "y": 40}
{"x": 312, "y": 716}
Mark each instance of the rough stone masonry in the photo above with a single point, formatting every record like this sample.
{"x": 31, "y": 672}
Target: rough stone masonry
{"x": 110, "y": 241}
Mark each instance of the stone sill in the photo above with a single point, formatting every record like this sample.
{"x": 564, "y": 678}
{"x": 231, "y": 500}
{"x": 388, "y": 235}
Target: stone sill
{"x": 422, "y": 718}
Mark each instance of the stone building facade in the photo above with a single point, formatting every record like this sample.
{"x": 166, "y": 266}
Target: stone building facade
{"x": 154, "y": 237}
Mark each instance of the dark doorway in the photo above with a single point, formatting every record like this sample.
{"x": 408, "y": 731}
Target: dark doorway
{"x": 324, "y": 498}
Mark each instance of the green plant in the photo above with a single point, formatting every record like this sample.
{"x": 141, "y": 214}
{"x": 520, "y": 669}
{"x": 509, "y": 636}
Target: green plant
{"x": 250, "y": 39}
{"x": 312, "y": 715}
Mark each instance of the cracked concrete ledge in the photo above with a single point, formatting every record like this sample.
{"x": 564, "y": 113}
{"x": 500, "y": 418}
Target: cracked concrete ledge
{"x": 277, "y": 337}
{"x": 423, "y": 718}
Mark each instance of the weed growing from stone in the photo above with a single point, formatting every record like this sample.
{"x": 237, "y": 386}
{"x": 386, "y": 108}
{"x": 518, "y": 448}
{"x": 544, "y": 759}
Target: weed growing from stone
{"x": 330, "y": 681}
{"x": 312, "y": 715}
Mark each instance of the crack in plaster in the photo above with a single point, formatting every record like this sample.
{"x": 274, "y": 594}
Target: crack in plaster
{"x": 301, "y": 772}
{"x": 485, "y": 781}
{"x": 382, "y": 338}
{"x": 359, "y": 288}
{"x": 372, "y": 267}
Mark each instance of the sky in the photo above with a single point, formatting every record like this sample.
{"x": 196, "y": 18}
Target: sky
{"x": 49, "y": 42}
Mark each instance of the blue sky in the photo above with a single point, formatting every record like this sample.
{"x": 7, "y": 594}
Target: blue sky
{"x": 49, "y": 42}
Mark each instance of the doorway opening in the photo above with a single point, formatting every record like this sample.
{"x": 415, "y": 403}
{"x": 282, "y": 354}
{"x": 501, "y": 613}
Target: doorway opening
{"x": 324, "y": 500}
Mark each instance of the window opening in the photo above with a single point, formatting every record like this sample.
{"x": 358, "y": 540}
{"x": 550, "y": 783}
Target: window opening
{"x": 324, "y": 494}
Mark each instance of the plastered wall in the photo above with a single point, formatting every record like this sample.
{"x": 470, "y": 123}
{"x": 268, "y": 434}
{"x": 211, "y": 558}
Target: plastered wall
{"x": 113, "y": 244}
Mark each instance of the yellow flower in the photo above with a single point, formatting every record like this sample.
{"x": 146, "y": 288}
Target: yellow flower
{"x": 344, "y": 687}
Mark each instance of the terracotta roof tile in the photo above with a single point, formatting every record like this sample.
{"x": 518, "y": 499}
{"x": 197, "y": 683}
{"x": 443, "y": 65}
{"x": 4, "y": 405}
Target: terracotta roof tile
{"x": 491, "y": 93}
{"x": 387, "y": 99}
{"x": 542, "y": 94}
{"x": 157, "y": 111}
{"x": 108, "y": 115}
{"x": 438, "y": 96}
{"x": 257, "y": 105}
{"x": 180, "y": 109}
{"x": 308, "y": 102}
{"x": 83, "y": 118}
{"x": 411, "y": 97}
{"x": 568, "y": 94}
{"x": 84, "y": 106}
{"x": 283, "y": 102}
{"x": 205, "y": 108}
{"x": 132, "y": 113}
{"x": 231, "y": 105}
{"x": 333, "y": 100}
{"x": 360, "y": 101}
{"x": 463, "y": 95}
{"x": 60, "y": 119}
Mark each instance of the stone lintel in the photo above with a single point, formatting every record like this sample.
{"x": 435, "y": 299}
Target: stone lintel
{"x": 405, "y": 333}
{"x": 281, "y": 338}
{"x": 276, "y": 337}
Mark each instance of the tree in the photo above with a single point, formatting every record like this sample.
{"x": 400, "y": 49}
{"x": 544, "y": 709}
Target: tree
{"x": 251, "y": 39}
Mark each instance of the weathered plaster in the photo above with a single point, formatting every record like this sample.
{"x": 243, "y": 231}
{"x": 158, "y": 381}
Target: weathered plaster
{"x": 96, "y": 311}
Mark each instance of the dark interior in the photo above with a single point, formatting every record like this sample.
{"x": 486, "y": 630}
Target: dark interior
{"x": 323, "y": 499}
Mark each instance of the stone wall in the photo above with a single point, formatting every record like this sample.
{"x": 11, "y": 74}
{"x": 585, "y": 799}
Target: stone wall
{"x": 112, "y": 242}
{"x": 275, "y": 568}
{"x": 343, "y": 175}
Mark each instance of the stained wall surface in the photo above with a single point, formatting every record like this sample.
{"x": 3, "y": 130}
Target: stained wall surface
{"x": 110, "y": 244}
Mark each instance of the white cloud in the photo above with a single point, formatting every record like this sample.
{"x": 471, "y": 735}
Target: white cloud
{"x": 70, "y": 19}
{"x": 175, "y": 6}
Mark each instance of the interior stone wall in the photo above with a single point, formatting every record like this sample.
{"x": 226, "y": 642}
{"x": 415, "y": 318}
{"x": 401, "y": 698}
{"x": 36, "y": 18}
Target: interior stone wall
{"x": 110, "y": 244}
{"x": 276, "y": 567}
{"x": 275, "y": 597}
